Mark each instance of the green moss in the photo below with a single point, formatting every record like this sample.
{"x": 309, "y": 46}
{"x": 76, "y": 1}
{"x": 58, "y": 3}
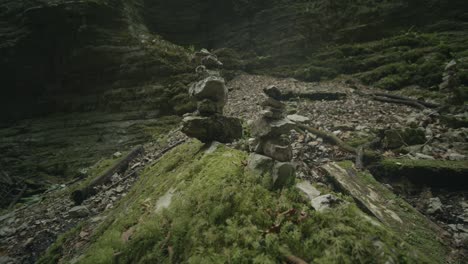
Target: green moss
{"x": 54, "y": 252}
{"x": 97, "y": 170}
{"x": 359, "y": 140}
{"x": 432, "y": 173}
{"x": 414, "y": 228}
{"x": 434, "y": 164}
{"x": 221, "y": 213}
{"x": 315, "y": 73}
{"x": 395, "y": 138}
{"x": 390, "y": 63}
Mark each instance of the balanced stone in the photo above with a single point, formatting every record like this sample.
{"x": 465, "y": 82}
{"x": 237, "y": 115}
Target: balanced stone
{"x": 213, "y": 128}
{"x": 277, "y": 149}
{"x": 273, "y": 103}
{"x": 262, "y": 127}
{"x": 212, "y": 88}
{"x": 207, "y": 107}
{"x": 298, "y": 118}
{"x": 272, "y": 113}
{"x": 273, "y": 92}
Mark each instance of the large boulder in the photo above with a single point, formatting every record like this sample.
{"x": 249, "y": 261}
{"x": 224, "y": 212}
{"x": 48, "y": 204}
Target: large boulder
{"x": 214, "y": 128}
{"x": 212, "y": 88}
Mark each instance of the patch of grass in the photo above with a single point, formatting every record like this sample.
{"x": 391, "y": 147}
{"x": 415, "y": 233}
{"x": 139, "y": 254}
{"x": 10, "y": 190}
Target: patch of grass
{"x": 222, "y": 213}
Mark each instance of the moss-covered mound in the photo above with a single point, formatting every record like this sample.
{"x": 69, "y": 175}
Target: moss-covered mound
{"x": 435, "y": 173}
{"x": 194, "y": 207}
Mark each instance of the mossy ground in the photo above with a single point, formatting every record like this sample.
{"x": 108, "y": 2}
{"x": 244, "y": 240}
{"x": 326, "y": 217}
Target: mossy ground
{"x": 223, "y": 213}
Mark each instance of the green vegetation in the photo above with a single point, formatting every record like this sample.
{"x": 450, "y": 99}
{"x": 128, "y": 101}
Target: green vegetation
{"x": 413, "y": 173}
{"x": 391, "y": 63}
{"x": 414, "y": 228}
{"x": 393, "y": 164}
{"x": 222, "y": 213}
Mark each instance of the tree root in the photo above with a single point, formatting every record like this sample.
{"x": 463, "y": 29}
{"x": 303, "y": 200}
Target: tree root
{"x": 329, "y": 137}
{"x": 399, "y": 101}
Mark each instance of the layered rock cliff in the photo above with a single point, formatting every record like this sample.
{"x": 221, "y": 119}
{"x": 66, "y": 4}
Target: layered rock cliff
{"x": 55, "y": 48}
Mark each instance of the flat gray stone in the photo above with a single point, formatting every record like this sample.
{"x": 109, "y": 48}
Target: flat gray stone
{"x": 79, "y": 211}
{"x": 263, "y": 127}
{"x": 298, "y": 118}
{"x": 277, "y": 150}
{"x": 325, "y": 202}
{"x": 308, "y": 189}
{"x": 434, "y": 206}
{"x": 165, "y": 200}
{"x": 260, "y": 163}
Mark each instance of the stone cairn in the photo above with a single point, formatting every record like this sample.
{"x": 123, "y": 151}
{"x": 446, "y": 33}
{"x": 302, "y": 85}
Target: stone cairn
{"x": 208, "y": 123}
{"x": 271, "y": 146}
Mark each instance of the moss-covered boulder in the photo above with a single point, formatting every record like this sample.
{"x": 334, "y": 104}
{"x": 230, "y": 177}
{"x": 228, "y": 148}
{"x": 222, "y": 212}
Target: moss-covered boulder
{"x": 395, "y": 138}
{"x": 433, "y": 173}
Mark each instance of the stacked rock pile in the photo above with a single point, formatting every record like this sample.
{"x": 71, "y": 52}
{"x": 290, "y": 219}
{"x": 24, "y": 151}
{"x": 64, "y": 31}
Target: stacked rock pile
{"x": 272, "y": 147}
{"x": 208, "y": 123}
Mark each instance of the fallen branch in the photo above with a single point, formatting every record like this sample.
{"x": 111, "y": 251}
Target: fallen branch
{"x": 399, "y": 97}
{"x": 328, "y": 137}
{"x": 79, "y": 196}
{"x": 399, "y": 101}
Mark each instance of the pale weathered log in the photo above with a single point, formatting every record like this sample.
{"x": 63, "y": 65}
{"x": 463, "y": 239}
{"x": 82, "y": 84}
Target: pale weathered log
{"x": 399, "y": 97}
{"x": 399, "y": 101}
{"x": 79, "y": 196}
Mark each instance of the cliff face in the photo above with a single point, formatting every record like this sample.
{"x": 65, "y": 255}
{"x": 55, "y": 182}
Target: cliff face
{"x": 56, "y": 48}
{"x": 291, "y": 27}
{"x": 52, "y": 48}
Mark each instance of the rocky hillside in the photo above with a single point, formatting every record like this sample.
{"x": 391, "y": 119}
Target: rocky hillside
{"x": 343, "y": 130}
{"x": 56, "y": 51}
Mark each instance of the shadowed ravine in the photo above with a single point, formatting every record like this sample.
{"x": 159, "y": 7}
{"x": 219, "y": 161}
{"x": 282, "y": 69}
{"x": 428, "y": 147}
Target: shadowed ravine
{"x": 240, "y": 131}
